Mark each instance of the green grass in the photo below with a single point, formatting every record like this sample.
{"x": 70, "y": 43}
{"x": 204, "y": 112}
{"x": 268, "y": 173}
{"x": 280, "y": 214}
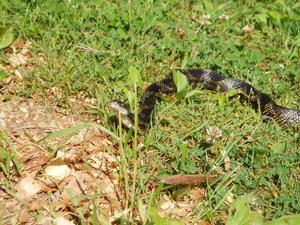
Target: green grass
{"x": 90, "y": 45}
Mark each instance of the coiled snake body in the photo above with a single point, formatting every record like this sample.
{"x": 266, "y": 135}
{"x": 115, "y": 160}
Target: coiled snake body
{"x": 212, "y": 81}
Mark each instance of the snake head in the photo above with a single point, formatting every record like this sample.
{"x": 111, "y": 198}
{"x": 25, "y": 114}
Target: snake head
{"x": 122, "y": 110}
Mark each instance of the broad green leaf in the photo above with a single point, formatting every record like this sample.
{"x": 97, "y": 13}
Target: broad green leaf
{"x": 133, "y": 75}
{"x": 130, "y": 96}
{"x": 6, "y": 36}
{"x": 158, "y": 220}
{"x": 286, "y": 220}
{"x": 193, "y": 93}
{"x": 180, "y": 81}
{"x": 240, "y": 214}
{"x": 179, "y": 95}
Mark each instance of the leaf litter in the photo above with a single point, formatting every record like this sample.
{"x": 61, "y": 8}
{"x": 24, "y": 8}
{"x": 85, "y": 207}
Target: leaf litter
{"x": 55, "y": 172}
{"x": 58, "y": 166}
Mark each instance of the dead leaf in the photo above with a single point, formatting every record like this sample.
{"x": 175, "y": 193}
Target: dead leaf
{"x": 25, "y": 217}
{"x": 36, "y": 205}
{"x": 188, "y": 179}
{"x": 35, "y": 158}
{"x": 197, "y": 194}
{"x": 21, "y": 73}
{"x": 107, "y": 187}
{"x": 63, "y": 221}
{"x": 17, "y": 59}
{"x": 11, "y": 207}
{"x": 227, "y": 160}
{"x": 57, "y": 170}
{"x": 28, "y": 187}
{"x": 45, "y": 221}
{"x": 78, "y": 188}
{"x": 249, "y": 28}
{"x": 167, "y": 204}
{"x": 230, "y": 198}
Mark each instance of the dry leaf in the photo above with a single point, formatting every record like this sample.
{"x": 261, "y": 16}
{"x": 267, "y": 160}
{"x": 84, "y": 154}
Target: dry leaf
{"x": 45, "y": 221}
{"x": 25, "y": 217}
{"x": 36, "y": 205}
{"x": 57, "y": 170}
{"x": 167, "y": 205}
{"x": 226, "y": 159}
{"x": 28, "y": 187}
{"x": 188, "y": 179}
{"x": 76, "y": 187}
{"x": 17, "y": 59}
{"x": 230, "y": 198}
{"x": 63, "y": 221}
{"x": 197, "y": 194}
{"x": 249, "y": 28}
{"x": 107, "y": 187}
{"x": 11, "y": 207}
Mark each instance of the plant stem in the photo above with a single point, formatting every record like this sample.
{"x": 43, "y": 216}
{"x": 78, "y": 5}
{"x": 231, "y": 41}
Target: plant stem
{"x": 135, "y": 161}
{"x": 123, "y": 162}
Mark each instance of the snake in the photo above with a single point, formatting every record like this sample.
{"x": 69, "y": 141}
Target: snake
{"x": 211, "y": 80}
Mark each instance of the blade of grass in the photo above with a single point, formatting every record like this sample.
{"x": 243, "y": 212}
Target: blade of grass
{"x": 12, "y": 152}
{"x": 73, "y": 130}
{"x": 123, "y": 161}
{"x": 77, "y": 206}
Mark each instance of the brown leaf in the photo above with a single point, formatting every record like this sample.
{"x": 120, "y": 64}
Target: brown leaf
{"x": 63, "y": 221}
{"x": 78, "y": 188}
{"x": 36, "y": 205}
{"x": 197, "y": 194}
{"x": 17, "y": 59}
{"x": 57, "y": 170}
{"x": 35, "y": 158}
{"x": 25, "y": 217}
{"x": 188, "y": 179}
{"x": 28, "y": 187}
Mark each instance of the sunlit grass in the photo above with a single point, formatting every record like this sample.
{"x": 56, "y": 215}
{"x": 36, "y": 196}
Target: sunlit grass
{"x": 90, "y": 45}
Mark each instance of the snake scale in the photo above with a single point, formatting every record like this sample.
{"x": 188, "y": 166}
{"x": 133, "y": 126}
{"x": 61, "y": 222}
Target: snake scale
{"x": 211, "y": 80}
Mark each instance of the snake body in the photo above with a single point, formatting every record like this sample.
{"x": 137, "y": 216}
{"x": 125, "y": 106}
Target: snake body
{"x": 211, "y": 80}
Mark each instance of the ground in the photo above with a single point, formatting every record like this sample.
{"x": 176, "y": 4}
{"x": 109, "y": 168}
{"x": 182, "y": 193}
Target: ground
{"x": 62, "y": 161}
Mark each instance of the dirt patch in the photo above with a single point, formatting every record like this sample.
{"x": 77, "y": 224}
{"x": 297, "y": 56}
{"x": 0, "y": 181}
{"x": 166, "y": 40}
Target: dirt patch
{"x": 51, "y": 181}
{"x": 57, "y": 171}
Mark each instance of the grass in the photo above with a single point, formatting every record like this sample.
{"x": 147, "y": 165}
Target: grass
{"x": 90, "y": 45}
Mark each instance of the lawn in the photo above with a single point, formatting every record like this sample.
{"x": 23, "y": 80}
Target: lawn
{"x": 68, "y": 59}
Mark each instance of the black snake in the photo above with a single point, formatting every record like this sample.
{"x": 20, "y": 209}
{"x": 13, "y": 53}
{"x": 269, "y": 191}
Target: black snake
{"x": 212, "y": 81}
